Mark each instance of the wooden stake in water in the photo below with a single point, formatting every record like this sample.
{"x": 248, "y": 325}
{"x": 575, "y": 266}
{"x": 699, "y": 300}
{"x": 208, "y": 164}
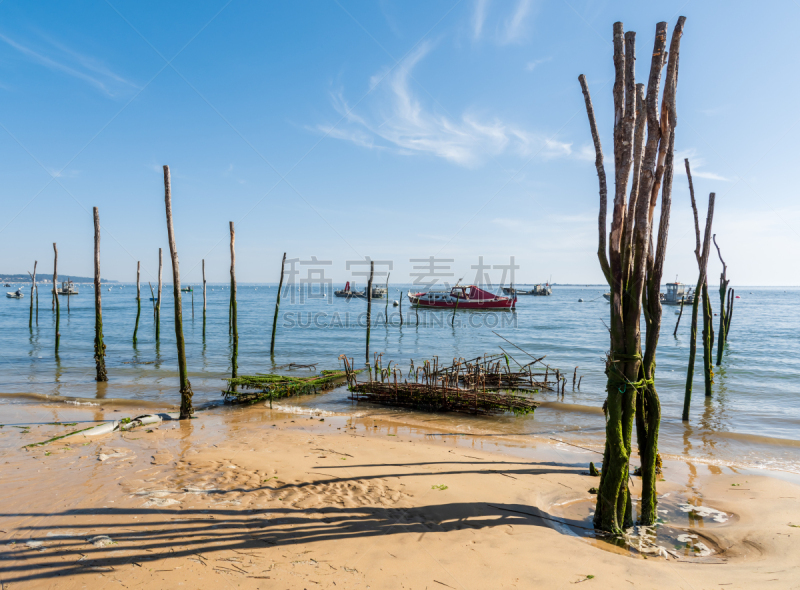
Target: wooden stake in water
{"x": 138, "y": 299}
{"x": 401, "y": 306}
{"x": 678, "y": 323}
{"x": 99, "y": 346}
{"x": 204, "y": 298}
{"x": 55, "y": 293}
{"x": 33, "y": 287}
{"x": 277, "y": 305}
{"x": 158, "y": 301}
{"x": 369, "y": 302}
{"x": 186, "y": 388}
{"x": 68, "y": 293}
{"x": 235, "y": 347}
{"x": 386, "y": 310}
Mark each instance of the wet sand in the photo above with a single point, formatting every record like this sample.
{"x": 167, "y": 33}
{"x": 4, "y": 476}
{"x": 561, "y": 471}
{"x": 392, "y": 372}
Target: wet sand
{"x": 259, "y": 498}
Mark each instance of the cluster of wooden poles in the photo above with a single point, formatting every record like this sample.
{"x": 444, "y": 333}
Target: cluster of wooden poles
{"x": 701, "y": 295}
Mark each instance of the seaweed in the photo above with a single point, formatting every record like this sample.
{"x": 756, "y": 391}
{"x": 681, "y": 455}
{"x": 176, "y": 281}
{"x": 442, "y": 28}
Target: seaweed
{"x": 250, "y": 389}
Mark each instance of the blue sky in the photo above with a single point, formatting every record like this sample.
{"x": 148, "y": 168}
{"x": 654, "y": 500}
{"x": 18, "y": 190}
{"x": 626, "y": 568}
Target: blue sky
{"x": 396, "y": 130}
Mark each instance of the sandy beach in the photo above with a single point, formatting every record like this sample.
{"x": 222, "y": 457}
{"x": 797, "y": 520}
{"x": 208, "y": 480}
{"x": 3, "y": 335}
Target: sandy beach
{"x": 259, "y": 498}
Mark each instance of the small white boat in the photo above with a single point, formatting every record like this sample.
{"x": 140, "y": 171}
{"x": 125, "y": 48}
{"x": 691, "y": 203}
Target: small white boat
{"x": 18, "y": 294}
{"x": 109, "y": 288}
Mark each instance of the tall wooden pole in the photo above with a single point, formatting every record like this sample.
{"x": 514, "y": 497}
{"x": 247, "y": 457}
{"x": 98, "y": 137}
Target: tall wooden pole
{"x": 369, "y": 302}
{"x": 33, "y": 288}
{"x": 386, "y": 307}
{"x": 235, "y": 348}
{"x": 723, "y": 311}
{"x": 55, "y": 293}
{"x": 632, "y": 262}
{"x": 277, "y": 305}
{"x": 186, "y": 388}
{"x": 99, "y": 346}
{"x": 708, "y": 339}
{"x": 702, "y": 250}
{"x": 138, "y": 299}
{"x": 204, "y": 298}
{"x": 158, "y": 301}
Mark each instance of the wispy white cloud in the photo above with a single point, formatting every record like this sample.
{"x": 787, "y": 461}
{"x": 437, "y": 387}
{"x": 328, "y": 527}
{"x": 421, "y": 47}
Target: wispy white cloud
{"x": 515, "y": 24}
{"x": 479, "y": 17}
{"x": 74, "y": 64}
{"x": 394, "y": 118}
{"x": 531, "y": 65}
{"x": 697, "y": 163}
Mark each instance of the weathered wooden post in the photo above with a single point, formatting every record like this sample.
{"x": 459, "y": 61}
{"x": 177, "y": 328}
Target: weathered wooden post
{"x": 33, "y": 288}
{"x": 723, "y": 311}
{"x": 186, "y": 388}
{"x": 701, "y": 253}
{"x": 158, "y": 300}
{"x": 386, "y": 308}
{"x": 204, "y": 298}
{"x": 401, "y": 306}
{"x": 277, "y": 306}
{"x": 99, "y": 346}
{"x": 633, "y": 266}
{"x": 235, "y": 348}
{"x": 708, "y": 339}
{"x": 369, "y": 302}
{"x": 138, "y": 299}
{"x": 55, "y": 293}
{"x": 680, "y": 314}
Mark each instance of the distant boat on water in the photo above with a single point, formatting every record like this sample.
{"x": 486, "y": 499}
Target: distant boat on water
{"x": 18, "y": 294}
{"x": 461, "y": 297}
{"x": 540, "y": 290}
{"x": 68, "y": 288}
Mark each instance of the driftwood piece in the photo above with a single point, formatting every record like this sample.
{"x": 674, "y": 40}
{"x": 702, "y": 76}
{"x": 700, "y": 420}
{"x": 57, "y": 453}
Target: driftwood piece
{"x": 99, "y": 345}
{"x": 185, "y": 387}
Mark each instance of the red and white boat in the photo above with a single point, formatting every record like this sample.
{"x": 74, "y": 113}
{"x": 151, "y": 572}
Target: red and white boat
{"x": 462, "y": 297}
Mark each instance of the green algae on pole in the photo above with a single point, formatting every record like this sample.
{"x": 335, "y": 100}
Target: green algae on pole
{"x": 234, "y": 326}
{"x": 628, "y": 264}
{"x": 277, "y": 305}
{"x": 369, "y": 302}
{"x": 99, "y": 346}
{"x": 138, "y": 299}
{"x": 56, "y": 305}
{"x": 185, "y": 387}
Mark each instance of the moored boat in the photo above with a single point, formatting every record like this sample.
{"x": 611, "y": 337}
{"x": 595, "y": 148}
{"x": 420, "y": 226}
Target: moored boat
{"x": 461, "y": 297}
{"x": 67, "y": 288}
{"x": 18, "y": 294}
{"x": 539, "y": 290}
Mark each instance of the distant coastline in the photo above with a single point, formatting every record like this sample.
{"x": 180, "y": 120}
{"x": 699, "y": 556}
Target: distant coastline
{"x": 49, "y": 277}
